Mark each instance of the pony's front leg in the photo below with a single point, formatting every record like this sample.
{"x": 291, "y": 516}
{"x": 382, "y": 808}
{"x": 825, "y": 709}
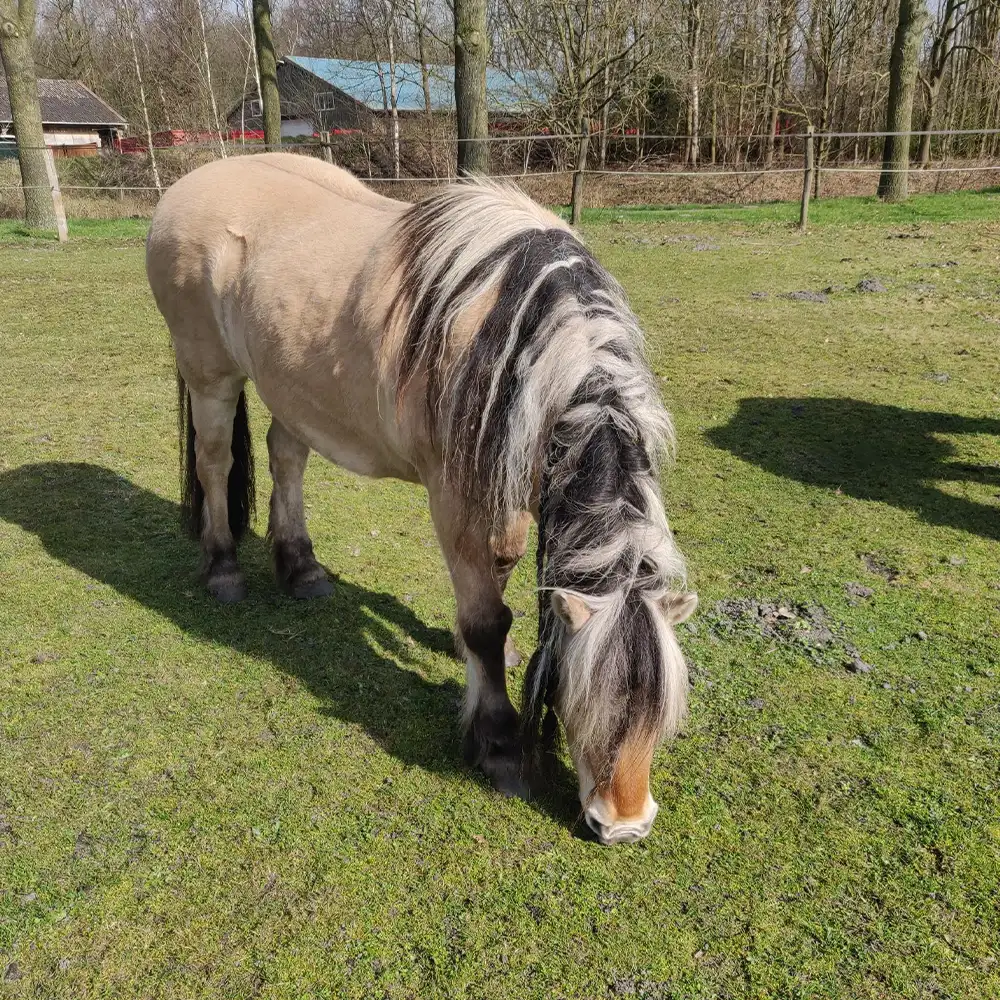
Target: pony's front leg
{"x": 508, "y": 550}
{"x": 492, "y": 730}
{"x": 299, "y": 573}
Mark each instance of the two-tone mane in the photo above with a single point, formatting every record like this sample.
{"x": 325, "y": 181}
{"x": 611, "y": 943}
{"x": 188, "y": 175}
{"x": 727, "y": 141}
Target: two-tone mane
{"x": 547, "y": 404}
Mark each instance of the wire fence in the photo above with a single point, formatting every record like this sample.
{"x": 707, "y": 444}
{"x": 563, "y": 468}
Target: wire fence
{"x": 622, "y": 167}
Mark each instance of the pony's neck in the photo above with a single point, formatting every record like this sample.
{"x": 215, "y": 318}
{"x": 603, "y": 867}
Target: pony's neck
{"x": 599, "y": 508}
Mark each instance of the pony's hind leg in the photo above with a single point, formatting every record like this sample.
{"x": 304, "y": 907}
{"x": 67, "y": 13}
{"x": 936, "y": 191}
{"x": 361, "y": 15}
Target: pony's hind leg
{"x": 295, "y": 565}
{"x": 220, "y": 493}
{"x": 492, "y": 731}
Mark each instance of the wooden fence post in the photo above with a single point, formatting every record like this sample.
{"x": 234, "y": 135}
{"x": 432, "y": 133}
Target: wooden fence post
{"x": 324, "y": 138}
{"x": 50, "y": 168}
{"x": 807, "y": 179}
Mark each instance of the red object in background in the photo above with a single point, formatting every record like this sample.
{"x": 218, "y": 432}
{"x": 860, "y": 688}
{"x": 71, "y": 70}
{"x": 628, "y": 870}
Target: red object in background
{"x": 180, "y": 137}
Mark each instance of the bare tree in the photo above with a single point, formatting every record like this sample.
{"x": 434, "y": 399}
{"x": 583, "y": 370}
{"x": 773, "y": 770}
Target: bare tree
{"x": 207, "y": 68}
{"x": 129, "y": 19}
{"x": 17, "y": 33}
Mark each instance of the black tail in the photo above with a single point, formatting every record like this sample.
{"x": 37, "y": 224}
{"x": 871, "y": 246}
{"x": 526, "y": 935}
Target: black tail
{"x": 242, "y": 488}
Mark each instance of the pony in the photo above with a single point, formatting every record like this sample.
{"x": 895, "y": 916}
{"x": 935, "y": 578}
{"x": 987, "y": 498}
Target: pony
{"x": 472, "y": 344}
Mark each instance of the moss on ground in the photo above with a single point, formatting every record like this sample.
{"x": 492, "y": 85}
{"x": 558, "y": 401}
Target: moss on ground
{"x": 267, "y": 799}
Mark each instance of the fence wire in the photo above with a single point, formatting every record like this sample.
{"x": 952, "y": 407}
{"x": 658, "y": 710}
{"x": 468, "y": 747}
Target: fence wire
{"x": 132, "y": 166}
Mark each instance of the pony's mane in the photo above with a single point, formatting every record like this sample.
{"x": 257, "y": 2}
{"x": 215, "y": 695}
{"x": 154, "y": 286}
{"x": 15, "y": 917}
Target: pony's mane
{"x": 549, "y": 397}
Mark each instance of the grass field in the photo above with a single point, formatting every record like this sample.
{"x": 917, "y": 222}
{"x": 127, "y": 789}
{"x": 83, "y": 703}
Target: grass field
{"x": 267, "y": 800}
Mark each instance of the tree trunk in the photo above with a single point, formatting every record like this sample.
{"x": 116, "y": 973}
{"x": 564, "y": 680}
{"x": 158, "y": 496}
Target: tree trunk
{"x": 471, "y": 53}
{"x": 268, "y": 67}
{"x": 924, "y": 156}
{"x": 576, "y": 196}
{"x": 892, "y": 185}
{"x": 393, "y": 103}
{"x": 694, "y": 68}
{"x": 16, "y": 33}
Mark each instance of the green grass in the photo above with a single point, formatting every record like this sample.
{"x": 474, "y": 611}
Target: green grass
{"x": 959, "y": 206}
{"x": 267, "y": 800}
{"x": 14, "y": 230}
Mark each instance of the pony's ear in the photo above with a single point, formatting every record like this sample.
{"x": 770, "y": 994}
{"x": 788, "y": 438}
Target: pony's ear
{"x": 679, "y": 607}
{"x": 571, "y": 609}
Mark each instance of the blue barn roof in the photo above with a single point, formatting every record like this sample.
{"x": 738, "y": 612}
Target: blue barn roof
{"x": 515, "y": 92}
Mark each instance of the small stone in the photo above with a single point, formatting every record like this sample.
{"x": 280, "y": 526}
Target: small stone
{"x": 28, "y": 898}
{"x": 759, "y": 296}
{"x": 922, "y": 636}
{"x": 374, "y": 532}
{"x": 967, "y": 689}
{"x": 356, "y": 551}
{"x": 956, "y": 560}
{"x": 858, "y": 666}
{"x": 12, "y": 973}
{"x": 886, "y": 686}
{"x": 706, "y": 246}
{"x": 940, "y": 377}
{"x": 757, "y": 703}
{"x": 858, "y": 590}
{"x": 63, "y": 964}
{"x": 45, "y": 657}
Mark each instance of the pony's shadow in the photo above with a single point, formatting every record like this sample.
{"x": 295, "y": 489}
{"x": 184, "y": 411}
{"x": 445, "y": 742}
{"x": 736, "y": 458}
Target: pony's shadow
{"x": 352, "y": 650}
{"x": 870, "y": 451}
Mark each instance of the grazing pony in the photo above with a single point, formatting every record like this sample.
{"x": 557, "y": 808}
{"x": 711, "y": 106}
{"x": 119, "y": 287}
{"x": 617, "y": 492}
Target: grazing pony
{"x": 472, "y": 344}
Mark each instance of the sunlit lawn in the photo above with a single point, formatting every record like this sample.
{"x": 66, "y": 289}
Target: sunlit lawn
{"x": 268, "y": 800}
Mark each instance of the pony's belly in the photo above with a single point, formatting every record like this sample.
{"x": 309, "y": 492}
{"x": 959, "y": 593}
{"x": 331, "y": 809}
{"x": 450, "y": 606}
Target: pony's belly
{"x": 363, "y": 458}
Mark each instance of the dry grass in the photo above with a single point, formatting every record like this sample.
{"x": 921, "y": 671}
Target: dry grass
{"x": 105, "y": 187}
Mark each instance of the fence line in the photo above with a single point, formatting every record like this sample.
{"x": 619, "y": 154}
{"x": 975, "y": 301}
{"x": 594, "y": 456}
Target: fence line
{"x": 751, "y": 173}
{"x": 541, "y": 137}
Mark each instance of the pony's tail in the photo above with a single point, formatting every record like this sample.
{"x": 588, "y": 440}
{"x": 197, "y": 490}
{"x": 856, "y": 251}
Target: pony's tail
{"x": 242, "y": 487}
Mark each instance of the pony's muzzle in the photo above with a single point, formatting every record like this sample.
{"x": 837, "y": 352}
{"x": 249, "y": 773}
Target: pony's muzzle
{"x": 620, "y": 831}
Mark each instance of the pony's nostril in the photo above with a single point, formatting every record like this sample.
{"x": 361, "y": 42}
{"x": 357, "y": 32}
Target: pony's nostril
{"x": 596, "y": 825}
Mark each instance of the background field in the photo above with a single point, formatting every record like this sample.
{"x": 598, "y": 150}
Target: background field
{"x": 267, "y": 800}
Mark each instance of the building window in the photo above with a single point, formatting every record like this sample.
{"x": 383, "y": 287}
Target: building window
{"x": 254, "y": 109}
{"x": 326, "y": 101}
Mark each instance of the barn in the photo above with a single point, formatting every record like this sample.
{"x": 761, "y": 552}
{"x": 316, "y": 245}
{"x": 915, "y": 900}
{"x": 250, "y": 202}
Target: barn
{"x": 75, "y": 120}
{"x": 328, "y": 95}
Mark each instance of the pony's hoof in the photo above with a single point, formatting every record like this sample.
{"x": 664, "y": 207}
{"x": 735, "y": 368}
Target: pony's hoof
{"x": 505, "y": 776}
{"x": 511, "y": 657}
{"x": 307, "y": 589}
{"x": 228, "y": 590}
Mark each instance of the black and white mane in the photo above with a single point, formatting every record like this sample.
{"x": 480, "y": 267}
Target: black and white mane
{"x": 550, "y": 406}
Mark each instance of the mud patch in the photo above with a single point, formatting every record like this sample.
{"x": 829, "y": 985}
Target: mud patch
{"x": 806, "y": 628}
{"x": 876, "y": 564}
